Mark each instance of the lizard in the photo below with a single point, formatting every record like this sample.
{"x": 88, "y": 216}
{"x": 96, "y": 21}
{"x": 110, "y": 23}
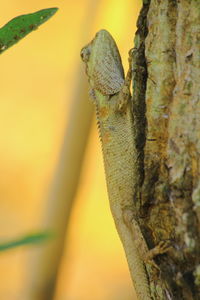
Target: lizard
{"x": 111, "y": 92}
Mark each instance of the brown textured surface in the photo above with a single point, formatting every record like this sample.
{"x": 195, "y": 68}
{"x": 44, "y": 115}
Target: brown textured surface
{"x": 169, "y": 191}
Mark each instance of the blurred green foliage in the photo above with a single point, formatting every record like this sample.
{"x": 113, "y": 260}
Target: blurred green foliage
{"x": 22, "y": 25}
{"x": 26, "y": 240}
{"x": 10, "y": 34}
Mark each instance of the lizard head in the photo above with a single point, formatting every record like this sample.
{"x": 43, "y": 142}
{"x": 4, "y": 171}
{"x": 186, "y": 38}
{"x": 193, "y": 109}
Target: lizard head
{"x": 103, "y": 64}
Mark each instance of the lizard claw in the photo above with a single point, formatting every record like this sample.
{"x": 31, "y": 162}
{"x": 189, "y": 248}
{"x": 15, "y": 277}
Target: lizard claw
{"x": 161, "y": 248}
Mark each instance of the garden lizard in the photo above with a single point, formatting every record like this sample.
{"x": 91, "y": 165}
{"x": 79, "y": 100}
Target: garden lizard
{"x": 112, "y": 99}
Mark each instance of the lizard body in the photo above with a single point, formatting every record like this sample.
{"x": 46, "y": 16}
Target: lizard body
{"x": 115, "y": 122}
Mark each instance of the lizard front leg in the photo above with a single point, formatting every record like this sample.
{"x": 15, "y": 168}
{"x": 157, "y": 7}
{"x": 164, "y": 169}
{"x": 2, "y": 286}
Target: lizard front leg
{"x": 124, "y": 94}
{"x": 146, "y": 255}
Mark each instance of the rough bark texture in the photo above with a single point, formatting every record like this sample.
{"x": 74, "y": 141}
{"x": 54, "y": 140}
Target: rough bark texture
{"x": 166, "y": 101}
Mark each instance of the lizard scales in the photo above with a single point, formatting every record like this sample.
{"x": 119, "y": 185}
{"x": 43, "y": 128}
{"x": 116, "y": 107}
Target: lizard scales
{"x": 115, "y": 121}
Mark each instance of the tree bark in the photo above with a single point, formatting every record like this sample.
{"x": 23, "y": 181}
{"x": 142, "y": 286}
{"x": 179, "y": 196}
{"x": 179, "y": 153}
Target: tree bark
{"x": 166, "y": 105}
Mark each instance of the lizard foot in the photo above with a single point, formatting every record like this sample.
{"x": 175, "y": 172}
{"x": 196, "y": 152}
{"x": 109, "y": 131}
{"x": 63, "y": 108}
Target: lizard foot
{"x": 161, "y": 248}
{"x": 124, "y": 94}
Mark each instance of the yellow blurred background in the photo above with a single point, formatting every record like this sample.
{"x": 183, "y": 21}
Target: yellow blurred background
{"x": 40, "y": 78}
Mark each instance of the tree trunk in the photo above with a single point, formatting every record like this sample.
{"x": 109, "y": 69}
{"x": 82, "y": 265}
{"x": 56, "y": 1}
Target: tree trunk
{"x": 166, "y": 105}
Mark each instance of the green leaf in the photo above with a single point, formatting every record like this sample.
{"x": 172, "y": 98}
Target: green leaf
{"x": 28, "y": 239}
{"x": 22, "y": 25}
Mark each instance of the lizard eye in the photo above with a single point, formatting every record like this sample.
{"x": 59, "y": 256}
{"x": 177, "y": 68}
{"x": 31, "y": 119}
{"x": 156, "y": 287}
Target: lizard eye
{"x": 85, "y": 54}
